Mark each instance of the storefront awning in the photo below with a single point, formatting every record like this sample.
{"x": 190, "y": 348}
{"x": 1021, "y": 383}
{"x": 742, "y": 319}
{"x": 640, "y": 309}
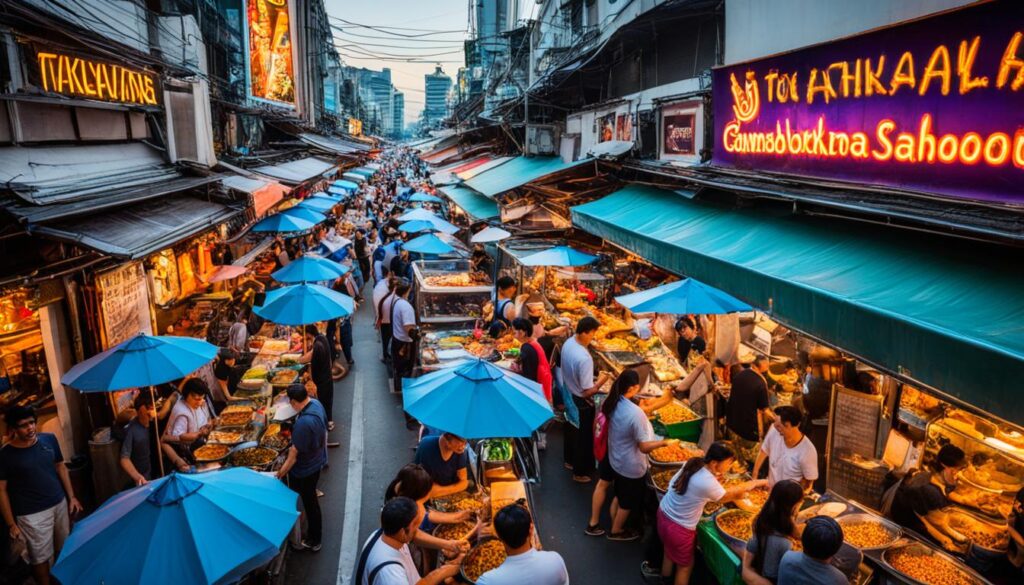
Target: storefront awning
{"x": 469, "y": 173}
{"x": 265, "y": 194}
{"x": 950, "y": 316}
{"x": 518, "y": 172}
{"x": 473, "y": 203}
{"x": 139, "y": 230}
{"x": 330, "y": 144}
{"x": 354, "y": 177}
{"x": 52, "y": 183}
{"x": 365, "y": 171}
{"x": 296, "y": 171}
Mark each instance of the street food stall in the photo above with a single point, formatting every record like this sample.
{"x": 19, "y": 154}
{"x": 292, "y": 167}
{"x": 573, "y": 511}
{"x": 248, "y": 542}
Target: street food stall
{"x": 449, "y": 292}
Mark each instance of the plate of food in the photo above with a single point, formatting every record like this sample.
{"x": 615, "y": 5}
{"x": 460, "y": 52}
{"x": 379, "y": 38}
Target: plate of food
{"x": 675, "y": 454}
{"x": 211, "y": 452}
{"x": 487, "y": 555}
{"x": 868, "y": 532}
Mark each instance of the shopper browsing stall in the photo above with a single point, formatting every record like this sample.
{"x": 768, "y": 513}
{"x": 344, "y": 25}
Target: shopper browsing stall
{"x": 577, "y": 371}
{"x": 318, "y": 356}
{"x": 414, "y": 482}
{"x": 385, "y": 558}
{"x": 690, "y": 489}
{"x": 523, "y": 563}
{"x": 628, "y": 437}
{"x": 533, "y": 362}
{"x": 306, "y": 458}
{"x": 445, "y": 459}
{"x": 790, "y": 454}
{"x": 403, "y": 328}
{"x": 821, "y": 540}
{"x": 774, "y": 528}
{"x": 136, "y": 446}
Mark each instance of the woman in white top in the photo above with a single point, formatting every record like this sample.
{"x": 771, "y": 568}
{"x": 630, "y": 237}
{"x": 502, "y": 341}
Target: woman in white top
{"x": 691, "y": 488}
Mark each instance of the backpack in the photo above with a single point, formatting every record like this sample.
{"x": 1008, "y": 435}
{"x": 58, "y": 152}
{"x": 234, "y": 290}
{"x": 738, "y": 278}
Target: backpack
{"x": 600, "y": 436}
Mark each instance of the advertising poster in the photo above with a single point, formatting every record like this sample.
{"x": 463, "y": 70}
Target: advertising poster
{"x": 678, "y": 131}
{"x": 606, "y": 127}
{"x": 271, "y": 66}
{"x": 624, "y": 127}
{"x": 124, "y": 303}
{"x": 931, "y": 106}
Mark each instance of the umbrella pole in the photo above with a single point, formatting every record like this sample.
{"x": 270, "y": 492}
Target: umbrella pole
{"x": 156, "y": 421}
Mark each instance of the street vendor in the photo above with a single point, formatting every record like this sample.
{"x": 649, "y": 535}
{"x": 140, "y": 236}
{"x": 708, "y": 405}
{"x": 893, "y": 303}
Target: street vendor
{"x": 790, "y": 454}
{"x": 688, "y": 339}
{"x": 504, "y": 305}
{"x": 922, "y": 495}
{"x": 191, "y": 419}
{"x": 445, "y": 459}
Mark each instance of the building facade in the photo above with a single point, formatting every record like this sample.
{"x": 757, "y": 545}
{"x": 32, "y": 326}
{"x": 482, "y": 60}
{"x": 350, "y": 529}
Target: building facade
{"x": 436, "y": 87}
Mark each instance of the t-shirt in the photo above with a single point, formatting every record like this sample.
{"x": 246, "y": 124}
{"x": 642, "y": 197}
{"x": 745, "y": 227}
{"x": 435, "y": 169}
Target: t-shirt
{"x": 404, "y": 573}
{"x": 687, "y": 509}
{"x": 628, "y": 428}
{"x": 917, "y": 495}
{"x": 186, "y": 420}
{"x": 577, "y": 367}
{"x": 320, "y": 363}
{"x": 776, "y": 546}
{"x": 379, "y": 291}
{"x": 536, "y": 567}
{"x": 797, "y": 463}
{"x": 309, "y": 435}
{"x": 684, "y": 347}
{"x": 32, "y": 482}
{"x": 404, "y": 315}
{"x": 428, "y": 454}
{"x": 238, "y": 334}
{"x": 135, "y": 446}
{"x": 796, "y": 568}
{"x": 749, "y": 395}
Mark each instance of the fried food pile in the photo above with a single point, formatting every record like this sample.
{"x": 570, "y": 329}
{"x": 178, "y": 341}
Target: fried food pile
{"x": 675, "y": 413}
{"x": 927, "y": 568}
{"x": 677, "y": 453}
{"x": 738, "y": 524}
{"x": 866, "y": 534}
{"x": 484, "y": 557}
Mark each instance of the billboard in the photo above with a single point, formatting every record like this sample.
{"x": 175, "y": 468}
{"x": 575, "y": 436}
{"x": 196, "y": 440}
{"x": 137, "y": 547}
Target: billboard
{"x": 270, "y": 53}
{"x": 933, "y": 105}
{"x": 83, "y": 76}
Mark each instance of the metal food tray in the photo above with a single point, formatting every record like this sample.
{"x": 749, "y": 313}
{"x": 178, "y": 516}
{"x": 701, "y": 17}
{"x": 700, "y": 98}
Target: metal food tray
{"x": 894, "y": 530}
{"x": 982, "y": 519}
{"x": 922, "y": 549}
{"x": 462, "y": 569}
{"x": 730, "y": 539}
{"x": 623, "y": 358}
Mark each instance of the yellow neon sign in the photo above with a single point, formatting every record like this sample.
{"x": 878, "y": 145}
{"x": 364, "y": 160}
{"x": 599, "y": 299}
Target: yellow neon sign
{"x": 80, "y": 77}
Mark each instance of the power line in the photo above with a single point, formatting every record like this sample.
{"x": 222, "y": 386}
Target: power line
{"x": 358, "y": 49}
{"x": 346, "y": 31}
{"x": 392, "y": 46}
{"x": 387, "y": 29}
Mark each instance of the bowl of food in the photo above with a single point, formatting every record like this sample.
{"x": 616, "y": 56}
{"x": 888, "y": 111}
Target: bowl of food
{"x": 255, "y": 457}
{"x": 661, "y": 478}
{"x": 458, "y": 502}
{"x": 488, "y": 554}
{"x": 211, "y": 452}
{"x": 458, "y": 531}
{"x": 736, "y": 526}
{"x": 867, "y": 532}
{"x": 674, "y": 455}
{"x": 924, "y": 565}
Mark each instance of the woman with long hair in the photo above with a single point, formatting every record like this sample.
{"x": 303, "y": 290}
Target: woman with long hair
{"x": 415, "y": 483}
{"x": 629, "y": 438}
{"x": 690, "y": 489}
{"x": 774, "y": 526}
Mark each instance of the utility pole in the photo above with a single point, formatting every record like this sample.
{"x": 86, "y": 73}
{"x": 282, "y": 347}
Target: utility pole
{"x": 529, "y": 83}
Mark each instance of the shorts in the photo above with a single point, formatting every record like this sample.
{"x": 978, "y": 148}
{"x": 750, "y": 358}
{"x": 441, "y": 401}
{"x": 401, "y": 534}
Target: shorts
{"x": 44, "y": 533}
{"x": 629, "y": 491}
{"x": 679, "y": 541}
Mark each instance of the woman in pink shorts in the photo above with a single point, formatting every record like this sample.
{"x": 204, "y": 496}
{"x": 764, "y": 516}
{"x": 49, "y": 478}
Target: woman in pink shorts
{"x": 691, "y": 488}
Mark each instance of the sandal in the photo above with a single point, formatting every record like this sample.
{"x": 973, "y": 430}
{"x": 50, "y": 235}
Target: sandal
{"x": 594, "y": 530}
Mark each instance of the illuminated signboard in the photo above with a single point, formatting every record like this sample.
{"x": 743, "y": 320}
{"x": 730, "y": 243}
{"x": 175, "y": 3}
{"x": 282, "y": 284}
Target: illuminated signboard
{"x": 83, "y": 77}
{"x": 355, "y": 127}
{"x": 270, "y": 70}
{"x": 935, "y": 105}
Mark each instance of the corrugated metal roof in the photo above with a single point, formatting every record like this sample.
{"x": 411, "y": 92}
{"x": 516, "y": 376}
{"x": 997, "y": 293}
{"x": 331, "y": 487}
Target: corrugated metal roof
{"x": 296, "y": 171}
{"x": 141, "y": 229}
{"x": 63, "y": 174}
{"x": 518, "y": 172}
{"x": 473, "y": 203}
{"x": 332, "y": 144}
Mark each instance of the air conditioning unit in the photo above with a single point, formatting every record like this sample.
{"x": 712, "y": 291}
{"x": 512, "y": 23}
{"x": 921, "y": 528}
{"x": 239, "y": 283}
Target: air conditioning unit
{"x": 542, "y": 140}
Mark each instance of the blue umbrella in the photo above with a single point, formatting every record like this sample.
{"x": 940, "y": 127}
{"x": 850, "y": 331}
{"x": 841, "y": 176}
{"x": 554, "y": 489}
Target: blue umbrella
{"x": 418, "y": 214}
{"x": 143, "y": 360}
{"x": 319, "y": 204}
{"x": 684, "y": 297}
{"x": 344, "y": 184}
{"x": 559, "y": 256}
{"x": 282, "y": 222}
{"x": 301, "y": 304}
{"x": 427, "y": 244}
{"x": 425, "y": 198}
{"x": 416, "y": 225}
{"x": 310, "y": 269}
{"x": 477, "y": 400}
{"x": 209, "y": 528}
{"x": 403, "y": 190}
{"x": 304, "y": 213}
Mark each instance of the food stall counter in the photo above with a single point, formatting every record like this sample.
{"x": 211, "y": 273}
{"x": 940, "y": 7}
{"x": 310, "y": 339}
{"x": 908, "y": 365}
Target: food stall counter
{"x": 719, "y": 556}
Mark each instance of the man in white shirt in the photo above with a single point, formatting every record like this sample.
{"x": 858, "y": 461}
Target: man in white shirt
{"x": 403, "y": 323}
{"x": 238, "y": 333}
{"x": 385, "y": 557}
{"x": 523, "y": 563}
{"x": 577, "y": 370}
{"x": 790, "y": 454}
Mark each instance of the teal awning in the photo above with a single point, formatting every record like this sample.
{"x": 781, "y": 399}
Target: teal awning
{"x": 947, "y": 313}
{"x": 476, "y": 205}
{"x": 365, "y": 171}
{"x": 518, "y": 172}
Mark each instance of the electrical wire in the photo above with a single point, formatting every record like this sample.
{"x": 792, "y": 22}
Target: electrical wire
{"x": 387, "y": 29}
{"x": 358, "y": 49}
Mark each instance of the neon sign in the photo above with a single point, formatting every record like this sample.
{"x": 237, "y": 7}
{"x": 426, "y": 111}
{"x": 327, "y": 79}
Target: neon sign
{"x": 932, "y": 106}
{"x": 80, "y": 77}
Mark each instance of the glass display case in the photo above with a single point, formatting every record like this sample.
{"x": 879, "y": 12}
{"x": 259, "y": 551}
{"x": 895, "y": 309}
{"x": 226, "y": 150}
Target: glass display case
{"x": 448, "y": 291}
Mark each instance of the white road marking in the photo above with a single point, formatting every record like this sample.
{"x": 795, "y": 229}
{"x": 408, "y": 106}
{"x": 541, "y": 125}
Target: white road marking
{"x": 350, "y": 542}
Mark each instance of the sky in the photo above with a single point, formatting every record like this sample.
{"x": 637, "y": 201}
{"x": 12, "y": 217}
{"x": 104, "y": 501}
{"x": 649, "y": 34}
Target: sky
{"x": 419, "y": 17}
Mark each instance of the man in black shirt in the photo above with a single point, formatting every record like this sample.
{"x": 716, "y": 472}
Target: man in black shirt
{"x": 135, "y": 446}
{"x": 747, "y": 408}
{"x": 922, "y": 495}
{"x": 688, "y": 339}
{"x": 362, "y": 252}
{"x": 318, "y": 356}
